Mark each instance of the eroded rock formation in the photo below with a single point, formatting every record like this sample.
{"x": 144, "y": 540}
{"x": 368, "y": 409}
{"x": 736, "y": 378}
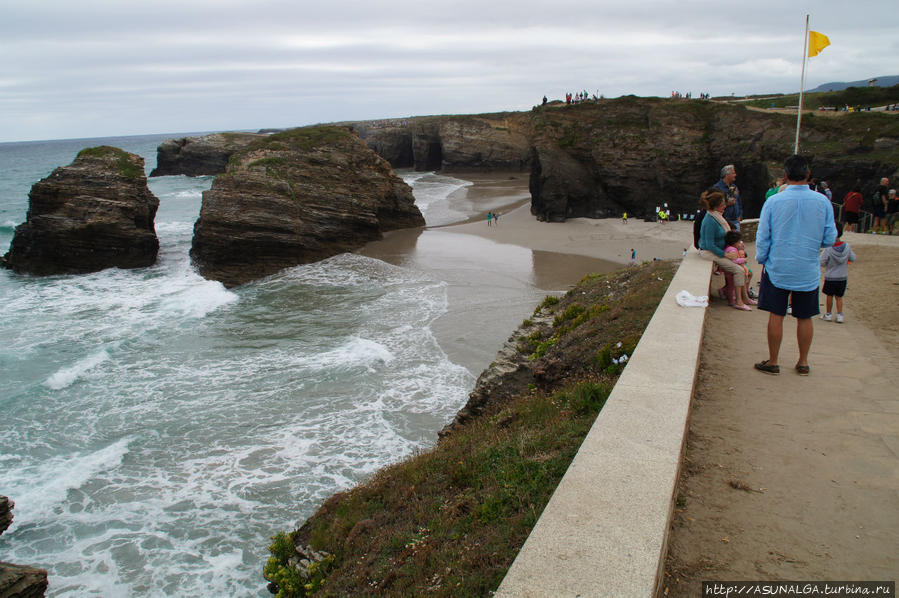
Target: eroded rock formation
{"x": 93, "y": 214}
{"x": 297, "y": 197}
{"x": 197, "y": 156}
{"x": 6, "y": 507}
{"x": 633, "y": 154}
{"x": 18, "y": 581}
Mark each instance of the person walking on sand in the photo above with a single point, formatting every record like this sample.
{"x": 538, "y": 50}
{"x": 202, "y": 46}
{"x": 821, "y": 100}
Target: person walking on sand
{"x": 633, "y": 255}
{"x": 624, "y": 218}
{"x": 880, "y": 199}
{"x": 852, "y": 204}
{"x": 835, "y": 261}
{"x": 892, "y": 211}
{"x": 793, "y": 227}
{"x": 489, "y": 218}
{"x": 495, "y": 219}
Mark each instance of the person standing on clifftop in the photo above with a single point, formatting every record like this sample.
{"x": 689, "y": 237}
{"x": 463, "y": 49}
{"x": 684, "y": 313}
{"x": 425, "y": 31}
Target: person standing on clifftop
{"x": 881, "y": 198}
{"x": 733, "y": 213}
{"x": 793, "y": 227}
{"x": 852, "y": 204}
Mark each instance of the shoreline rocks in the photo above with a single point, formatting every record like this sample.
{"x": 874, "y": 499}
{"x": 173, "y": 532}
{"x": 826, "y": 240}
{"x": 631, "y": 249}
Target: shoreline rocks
{"x": 297, "y": 197}
{"x": 6, "y": 507}
{"x": 93, "y": 214}
{"x": 18, "y": 581}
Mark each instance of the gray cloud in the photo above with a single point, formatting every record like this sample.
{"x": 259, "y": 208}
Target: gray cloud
{"x": 103, "y": 67}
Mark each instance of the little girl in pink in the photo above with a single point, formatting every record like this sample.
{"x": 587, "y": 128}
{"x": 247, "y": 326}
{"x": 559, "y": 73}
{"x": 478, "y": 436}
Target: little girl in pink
{"x": 736, "y": 252}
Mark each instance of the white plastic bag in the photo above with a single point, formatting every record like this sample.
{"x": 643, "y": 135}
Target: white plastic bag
{"x": 685, "y": 299}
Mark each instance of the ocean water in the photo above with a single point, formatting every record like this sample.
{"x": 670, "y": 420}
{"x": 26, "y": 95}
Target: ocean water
{"x": 156, "y": 428}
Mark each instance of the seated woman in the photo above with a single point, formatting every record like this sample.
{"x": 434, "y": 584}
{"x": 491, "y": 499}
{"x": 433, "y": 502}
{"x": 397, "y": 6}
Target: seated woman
{"x": 712, "y": 244}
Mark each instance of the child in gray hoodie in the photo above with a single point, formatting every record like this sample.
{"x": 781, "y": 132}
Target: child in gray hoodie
{"x": 835, "y": 261}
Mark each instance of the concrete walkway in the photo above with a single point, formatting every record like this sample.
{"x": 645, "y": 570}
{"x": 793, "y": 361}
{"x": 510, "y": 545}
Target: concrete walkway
{"x": 790, "y": 477}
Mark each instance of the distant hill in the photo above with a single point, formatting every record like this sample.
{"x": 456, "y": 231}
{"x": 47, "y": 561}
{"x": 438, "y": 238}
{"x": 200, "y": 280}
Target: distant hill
{"x": 838, "y": 86}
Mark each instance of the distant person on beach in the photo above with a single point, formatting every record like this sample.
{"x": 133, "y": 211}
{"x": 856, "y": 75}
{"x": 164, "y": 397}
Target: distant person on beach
{"x": 624, "y": 218}
{"x": 835, "y": 261}
{"x": 852, "y": 205}
{"x": 793, "y": 227}
{"x": 633, "y": 255}
{"x": 489, "y": 218}
{"x": 712, "y": 243}
{"x": 733, "y": 213}
{"x": 495, "y": 219}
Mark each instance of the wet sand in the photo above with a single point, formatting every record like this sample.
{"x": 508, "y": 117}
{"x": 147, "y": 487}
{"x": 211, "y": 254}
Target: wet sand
{"x": 497, "y": 275}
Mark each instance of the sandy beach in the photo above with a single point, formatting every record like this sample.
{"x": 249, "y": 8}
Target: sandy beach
{"x": 496, "y": 275}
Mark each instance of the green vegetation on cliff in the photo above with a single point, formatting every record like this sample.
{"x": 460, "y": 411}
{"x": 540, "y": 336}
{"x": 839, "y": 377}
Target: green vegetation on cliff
{"x": 128, "y": 165}
{"x": 851, "y": 96}
{"x": 450, "y": 521}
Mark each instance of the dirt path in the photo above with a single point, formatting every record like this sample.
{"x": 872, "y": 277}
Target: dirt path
{"x": 788, "y": 477}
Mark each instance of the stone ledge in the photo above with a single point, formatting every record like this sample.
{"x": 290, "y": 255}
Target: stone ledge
{"x": 604, "y": 531}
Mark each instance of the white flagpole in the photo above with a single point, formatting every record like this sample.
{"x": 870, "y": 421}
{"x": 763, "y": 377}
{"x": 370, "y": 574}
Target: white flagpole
{"x": 801, "y": 86}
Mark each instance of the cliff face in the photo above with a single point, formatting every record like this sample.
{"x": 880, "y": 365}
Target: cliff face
{"x": 196, "y": 156}
{"x": 297, "y": 197}
{"x": 633, "y": 154}
{"x": 452, "y": 143}
{"x": 95, "y": 213}
{"x": 17, "y": 580}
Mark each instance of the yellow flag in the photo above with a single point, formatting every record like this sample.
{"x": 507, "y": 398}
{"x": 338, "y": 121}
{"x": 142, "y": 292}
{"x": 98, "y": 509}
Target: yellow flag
{"x": 816, "y": 42}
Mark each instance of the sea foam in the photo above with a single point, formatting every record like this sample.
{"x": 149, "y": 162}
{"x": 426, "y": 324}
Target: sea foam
{"x": 65, "y": 377}
{"x": 41, "y": 488}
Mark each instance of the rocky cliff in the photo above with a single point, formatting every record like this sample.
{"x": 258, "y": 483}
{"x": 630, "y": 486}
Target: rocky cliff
{"x": 6, "y": 507}
{"x": 93, "y": 214}
{"x": 196, "y": 156}
{"x": 18, "y": 581}
{"x": 633, "y": 154}
{"x": 599, "y": 159}
{"x": 296, "y": 197}
{"x": 452, "y": 143}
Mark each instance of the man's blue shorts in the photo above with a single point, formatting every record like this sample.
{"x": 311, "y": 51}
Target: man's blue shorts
{"x": 775, "y": 300}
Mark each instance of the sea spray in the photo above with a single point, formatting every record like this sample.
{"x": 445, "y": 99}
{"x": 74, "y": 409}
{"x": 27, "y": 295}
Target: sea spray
{"x": 159, "y": 428}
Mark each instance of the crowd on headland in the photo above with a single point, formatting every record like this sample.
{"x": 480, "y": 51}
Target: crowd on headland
{"x": 580, "y": 97}
{"x": 791, "y": 250}
{"x": 689, "y": 95}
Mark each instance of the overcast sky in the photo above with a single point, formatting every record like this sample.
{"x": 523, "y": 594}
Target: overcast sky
{"x": 92, "y": 68}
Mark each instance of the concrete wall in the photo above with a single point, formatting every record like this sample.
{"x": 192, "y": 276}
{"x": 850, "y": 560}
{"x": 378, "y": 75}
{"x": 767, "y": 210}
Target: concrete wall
{"x": 604, "y": 531}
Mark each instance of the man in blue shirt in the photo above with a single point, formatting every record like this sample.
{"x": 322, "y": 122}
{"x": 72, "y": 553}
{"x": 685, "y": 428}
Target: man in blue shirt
{"x": 733, "y": 213}
{"x": 793, "y": 227}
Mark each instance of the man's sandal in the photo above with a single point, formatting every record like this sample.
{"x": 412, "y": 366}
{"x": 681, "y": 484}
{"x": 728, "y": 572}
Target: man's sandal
{"x": 764, "y": 366}
{"x": 802, "y": 370}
